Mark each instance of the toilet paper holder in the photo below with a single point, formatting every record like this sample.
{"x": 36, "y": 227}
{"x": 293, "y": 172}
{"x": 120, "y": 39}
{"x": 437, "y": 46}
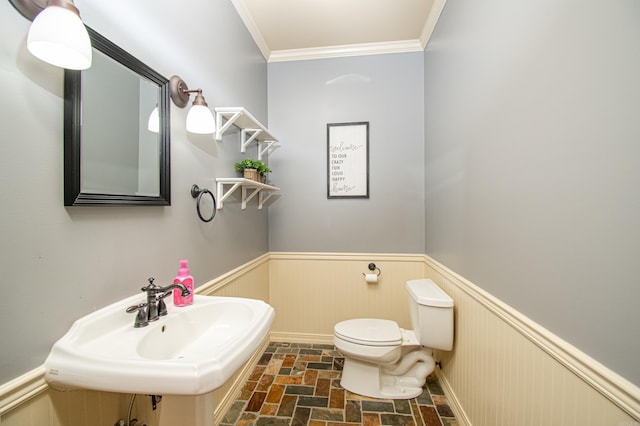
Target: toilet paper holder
{"x": 372, "y": 267}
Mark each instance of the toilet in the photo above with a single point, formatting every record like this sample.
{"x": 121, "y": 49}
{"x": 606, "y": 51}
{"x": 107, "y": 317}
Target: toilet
{"x": 382, "y": 360}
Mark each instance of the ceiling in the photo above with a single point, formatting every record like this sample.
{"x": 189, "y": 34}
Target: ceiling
{"x": 286, "y": 30}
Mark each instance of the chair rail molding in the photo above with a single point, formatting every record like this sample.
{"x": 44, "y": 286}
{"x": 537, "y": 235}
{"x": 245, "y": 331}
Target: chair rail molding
{"x": 22, "y": 389}
{"x": 609, "y": 384}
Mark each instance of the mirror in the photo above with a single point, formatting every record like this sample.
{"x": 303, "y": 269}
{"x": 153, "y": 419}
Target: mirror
{"x": 111, "y": 157}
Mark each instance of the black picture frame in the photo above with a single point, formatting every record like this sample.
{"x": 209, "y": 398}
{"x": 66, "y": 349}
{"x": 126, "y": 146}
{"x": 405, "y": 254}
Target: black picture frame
{"x": 348, "y": 160}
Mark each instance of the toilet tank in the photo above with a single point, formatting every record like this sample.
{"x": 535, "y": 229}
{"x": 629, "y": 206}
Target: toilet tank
{"x": 431, "y": 311}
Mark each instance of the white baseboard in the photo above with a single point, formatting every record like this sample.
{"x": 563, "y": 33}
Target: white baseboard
{"x": 302, "y": 338}
{"x": 454, "y": 403}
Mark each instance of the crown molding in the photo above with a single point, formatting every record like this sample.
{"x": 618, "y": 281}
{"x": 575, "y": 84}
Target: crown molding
{"x": 432, "y": 20}
{"x": 285, "y": 55}
{"x": 243, "y": 11}
{"x": 402, "y": 46}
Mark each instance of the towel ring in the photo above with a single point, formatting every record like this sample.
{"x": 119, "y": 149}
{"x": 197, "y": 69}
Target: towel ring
{"x": 197, "y": 193}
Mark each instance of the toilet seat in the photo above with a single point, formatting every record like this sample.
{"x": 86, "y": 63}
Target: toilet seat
{"x": 369, "y": 332}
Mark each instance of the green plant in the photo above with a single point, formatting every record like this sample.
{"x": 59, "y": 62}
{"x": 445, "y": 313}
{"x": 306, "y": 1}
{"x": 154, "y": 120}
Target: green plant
{"x": 247, "y": 163}
{"x": 250, "y": 163}
{"x": 262, "y": 168}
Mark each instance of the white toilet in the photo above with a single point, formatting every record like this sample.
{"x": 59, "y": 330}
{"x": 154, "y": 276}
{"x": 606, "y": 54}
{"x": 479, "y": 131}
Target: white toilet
{"x": 384, "y": 361}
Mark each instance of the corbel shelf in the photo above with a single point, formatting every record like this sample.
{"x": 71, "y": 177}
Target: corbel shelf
{"x": 251, "y": 130}
{"x": 249, "y": 187}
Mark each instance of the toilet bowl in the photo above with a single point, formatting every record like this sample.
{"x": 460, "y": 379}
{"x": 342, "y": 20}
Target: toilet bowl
{"x": 383, "y": 360}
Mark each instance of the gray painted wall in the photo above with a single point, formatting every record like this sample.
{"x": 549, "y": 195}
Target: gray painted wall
{"x": 386, "y": 91}
{"x": 532, "y": 163}
{"x": 61, "y": 263}
{"x": 531, "y": 166}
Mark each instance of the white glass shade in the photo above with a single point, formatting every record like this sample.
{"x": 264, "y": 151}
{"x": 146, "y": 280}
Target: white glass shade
{"x": 200, "y": 120}
{"x": 58, "y": 36}
{"x": 154, "y": 121}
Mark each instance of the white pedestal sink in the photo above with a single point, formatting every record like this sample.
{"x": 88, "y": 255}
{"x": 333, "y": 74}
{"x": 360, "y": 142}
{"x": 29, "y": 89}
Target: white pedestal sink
{"x": 190, "y": 351}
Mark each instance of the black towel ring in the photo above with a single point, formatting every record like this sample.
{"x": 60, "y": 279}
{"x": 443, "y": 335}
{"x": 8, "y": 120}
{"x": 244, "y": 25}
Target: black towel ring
{"x": 197, "y": 193}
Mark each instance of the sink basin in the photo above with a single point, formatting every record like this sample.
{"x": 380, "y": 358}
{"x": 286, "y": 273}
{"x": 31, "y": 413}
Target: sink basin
{"x": 190, "y": 351}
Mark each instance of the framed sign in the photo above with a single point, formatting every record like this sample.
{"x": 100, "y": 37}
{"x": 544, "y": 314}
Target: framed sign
{"x": 348, "y": 160}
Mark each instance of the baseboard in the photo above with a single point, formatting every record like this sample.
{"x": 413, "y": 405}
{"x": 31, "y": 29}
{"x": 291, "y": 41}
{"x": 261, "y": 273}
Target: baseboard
{"x": 452, "y": 399}
{"x": 302, "y": 338}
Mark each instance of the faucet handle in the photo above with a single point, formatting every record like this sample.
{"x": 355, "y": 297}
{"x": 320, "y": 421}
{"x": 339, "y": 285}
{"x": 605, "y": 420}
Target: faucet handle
{"x": 162, "y": 307}
{"x": 141, "y": 318}
{"x": 151, "y": 285}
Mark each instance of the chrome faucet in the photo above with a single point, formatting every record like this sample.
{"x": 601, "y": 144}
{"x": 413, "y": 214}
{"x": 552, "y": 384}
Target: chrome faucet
{"x": 155, "y": 306}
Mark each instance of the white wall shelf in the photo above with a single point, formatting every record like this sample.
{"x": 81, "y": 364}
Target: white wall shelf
{"x": 249, "y": 187}
{"x": 251, "y": 130}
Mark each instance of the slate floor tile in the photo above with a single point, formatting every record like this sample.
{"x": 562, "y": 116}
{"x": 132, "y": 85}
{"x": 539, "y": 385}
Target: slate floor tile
{"x": 299, "y": 384}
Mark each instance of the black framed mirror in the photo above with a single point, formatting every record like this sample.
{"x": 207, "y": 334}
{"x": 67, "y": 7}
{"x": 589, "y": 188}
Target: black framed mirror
{"x": 112, "y": 156}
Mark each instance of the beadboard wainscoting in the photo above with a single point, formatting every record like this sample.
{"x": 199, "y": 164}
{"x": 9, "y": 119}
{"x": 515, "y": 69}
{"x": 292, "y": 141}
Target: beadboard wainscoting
{"x": 504, "y": 368}
{"x": 507, "y": 370}
{"x": 311, "y": 292}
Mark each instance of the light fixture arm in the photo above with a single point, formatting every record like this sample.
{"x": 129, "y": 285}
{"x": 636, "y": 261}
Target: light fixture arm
{"x": 192, "y": 91}
{"x": 66, "y": 4}
{"x": 30, "y": 8}
{"x": 180, "y": 93}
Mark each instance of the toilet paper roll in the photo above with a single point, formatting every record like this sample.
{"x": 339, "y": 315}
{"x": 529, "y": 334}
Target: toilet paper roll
{"x": 371, "y": 278}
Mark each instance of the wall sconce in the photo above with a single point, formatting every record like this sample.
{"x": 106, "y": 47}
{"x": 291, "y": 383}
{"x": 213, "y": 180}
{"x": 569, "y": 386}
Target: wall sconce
{"x": 200, "y": 118}
{"x": 57, "y": 34}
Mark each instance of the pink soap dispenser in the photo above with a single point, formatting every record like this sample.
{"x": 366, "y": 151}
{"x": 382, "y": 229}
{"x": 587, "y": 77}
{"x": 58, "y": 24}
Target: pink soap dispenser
{"x": 185, "y": 279}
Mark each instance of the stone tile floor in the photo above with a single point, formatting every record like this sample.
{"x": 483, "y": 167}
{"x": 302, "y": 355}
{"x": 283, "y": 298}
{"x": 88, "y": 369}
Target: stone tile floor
{"x": 299, "y": 384}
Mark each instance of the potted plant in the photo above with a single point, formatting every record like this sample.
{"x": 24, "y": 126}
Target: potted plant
{"x": 263, "y": 169}
{"x": 253, "y": 169}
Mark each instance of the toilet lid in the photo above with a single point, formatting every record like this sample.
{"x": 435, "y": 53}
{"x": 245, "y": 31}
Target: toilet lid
{"x": 369, "y": 331}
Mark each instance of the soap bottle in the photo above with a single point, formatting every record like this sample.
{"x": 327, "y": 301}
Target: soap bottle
{"x": 184, "y": 278}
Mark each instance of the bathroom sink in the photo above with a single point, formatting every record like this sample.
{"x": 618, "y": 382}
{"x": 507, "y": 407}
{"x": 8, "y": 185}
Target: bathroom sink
{"x": 190, "y": 351}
